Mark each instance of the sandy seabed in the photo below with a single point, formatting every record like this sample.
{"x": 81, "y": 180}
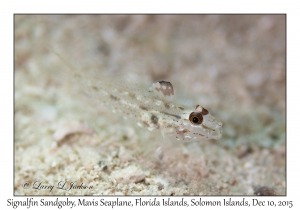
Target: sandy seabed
{"x": 68, "y": 143}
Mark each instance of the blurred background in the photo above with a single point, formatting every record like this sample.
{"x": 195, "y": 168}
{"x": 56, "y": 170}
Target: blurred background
{"x": 233, "y": 65}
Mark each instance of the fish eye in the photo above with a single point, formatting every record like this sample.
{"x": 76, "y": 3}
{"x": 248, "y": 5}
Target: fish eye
{"x": 196, "y": 118}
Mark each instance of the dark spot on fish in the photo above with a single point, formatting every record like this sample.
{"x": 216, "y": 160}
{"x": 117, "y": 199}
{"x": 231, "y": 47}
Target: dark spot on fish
{"x": 167, "y": 106}
{"x": 181, "y": 108}
{"x": 181, "y": 132}
{"x": 143, "y": 108}
{"x": 154, "y": 119}
{"x": 185, "y": 131}
{"x": 114, "y": 97}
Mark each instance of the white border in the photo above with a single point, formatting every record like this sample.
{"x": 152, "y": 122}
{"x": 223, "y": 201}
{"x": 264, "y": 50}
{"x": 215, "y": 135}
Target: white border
{"x": 8, "y": 8}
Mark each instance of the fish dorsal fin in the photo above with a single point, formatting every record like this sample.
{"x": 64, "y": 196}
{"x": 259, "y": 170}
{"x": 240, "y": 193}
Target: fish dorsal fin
{"x": 162, "y": 90}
